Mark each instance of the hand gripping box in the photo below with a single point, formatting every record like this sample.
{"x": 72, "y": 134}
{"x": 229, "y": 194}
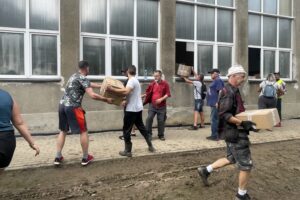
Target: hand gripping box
{"x": 264, "y": 118}
{"x": 184, "y": 70}
{"x": 114, "y": 83}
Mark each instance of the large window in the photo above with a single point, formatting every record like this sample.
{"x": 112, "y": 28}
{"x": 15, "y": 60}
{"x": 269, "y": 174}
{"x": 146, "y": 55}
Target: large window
{"x": 116, "y": 34}
{"x": 29, "y": 38}
{"x": 204, "y": 34}
{"x": 270, "y": 34}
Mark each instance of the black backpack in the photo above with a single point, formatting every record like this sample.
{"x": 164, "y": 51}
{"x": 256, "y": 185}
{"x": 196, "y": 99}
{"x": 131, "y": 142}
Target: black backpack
{"x": 203, "y": 91}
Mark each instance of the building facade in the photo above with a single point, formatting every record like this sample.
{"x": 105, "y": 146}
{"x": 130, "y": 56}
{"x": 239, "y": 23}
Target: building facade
{"x": 41, "y": 42}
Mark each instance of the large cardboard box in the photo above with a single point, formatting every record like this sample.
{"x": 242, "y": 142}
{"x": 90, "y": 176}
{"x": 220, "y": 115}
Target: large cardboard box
{"x": 114, "y": 83}
{"x": 184, "y": 70}
{"x": 264, "y": 118}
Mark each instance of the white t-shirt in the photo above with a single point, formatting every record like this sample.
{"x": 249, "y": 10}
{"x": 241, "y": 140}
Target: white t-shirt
{"x": 134, "y": 100}
{"x": 197, "y": 89}
{"x": 263, "y": 84}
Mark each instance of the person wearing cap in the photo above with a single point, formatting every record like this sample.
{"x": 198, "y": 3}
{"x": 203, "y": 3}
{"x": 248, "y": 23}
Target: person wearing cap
{"x": 212, "y": 99}
{"x": 71, "y": 114}
{"x": 280, "y": 94}
{"x": 236, "y": 133}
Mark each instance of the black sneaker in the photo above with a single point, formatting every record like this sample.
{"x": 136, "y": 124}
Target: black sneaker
{"x": 242, "y": 197}
{"x": 58, "y": 161}
{"x": 162, "y": 138}
{"x": 121, "y": 137}
{"x": 151, "y": 149}
{"x": 204, "y": 174}
{"x": 212, "y": 138}
{"x": 193, "y": 128}
{"x": 88, "y": 160}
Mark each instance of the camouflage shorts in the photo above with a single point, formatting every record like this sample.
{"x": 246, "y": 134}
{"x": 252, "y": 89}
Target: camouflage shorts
{"x": 240, "y": 154}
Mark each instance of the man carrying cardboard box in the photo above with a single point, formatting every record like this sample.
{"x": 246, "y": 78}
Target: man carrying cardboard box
{"x": 236, "y": 132}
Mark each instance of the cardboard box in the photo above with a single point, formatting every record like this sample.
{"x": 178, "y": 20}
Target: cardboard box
{"x": 114, "y": 83}
{"x": 264, "y": 118}
{"x": 184, "y": 70}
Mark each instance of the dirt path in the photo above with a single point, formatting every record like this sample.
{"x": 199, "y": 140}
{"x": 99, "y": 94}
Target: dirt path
{"x": 168, "y": 176}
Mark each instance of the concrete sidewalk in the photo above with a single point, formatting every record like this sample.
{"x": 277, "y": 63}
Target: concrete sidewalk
{"x": 107, "y": 145}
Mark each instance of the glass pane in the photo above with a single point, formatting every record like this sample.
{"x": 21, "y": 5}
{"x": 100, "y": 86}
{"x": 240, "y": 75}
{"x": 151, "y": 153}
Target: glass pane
{"x": 94, "y": 53}
{"x": 121, "y": 17}
{"x": 206, "y": 24}
{"x": 224, "y": 59}
{"x": 270, "y": 6}
{"x": 207, "y": 1}
{"x": 205, "y": 59}
{"x": 147, "y": 18}
{"x": 12, "y": 13}
{"x": 225, "y": 26}
{"x": 121, "y": 56}
{"x": 285, "y": 33}
{"x": 254, "y": 5}
{"x": 147, "y": 58}
{"x": 269, "y": 62}
{"x": 11, "y": 54}
{"x": 44, "y": 55}
{"x": 184, "y": 21}
{"x": 270, "y": 31}
{"x": 225, "y": 3}
{"x": 254, "y": 30}
{"x": 284, "y": 64}
{"x": 44, "y": 14}
{"x": 93, "y": 16}
{"x": 285, "y": 7}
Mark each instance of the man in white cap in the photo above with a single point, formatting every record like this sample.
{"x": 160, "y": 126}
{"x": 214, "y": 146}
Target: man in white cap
{"x": 236, "y": 132}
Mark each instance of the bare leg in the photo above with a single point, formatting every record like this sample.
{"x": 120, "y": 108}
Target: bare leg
{"x": 84, "y": 140}
{"x": 220, "y": 163}
{"x": 195, "y": 118}
{"x": 61, "y": 138}
{"x": 202, "y": 118}
{"x": 244, "y": 177}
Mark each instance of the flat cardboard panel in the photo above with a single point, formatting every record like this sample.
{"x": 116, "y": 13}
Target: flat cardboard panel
{"x": 114, "y": 83}
{"x": 184, "y": 70}
{"x": 264, "y": 118}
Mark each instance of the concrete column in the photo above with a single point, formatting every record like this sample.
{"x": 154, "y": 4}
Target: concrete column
{"x": 70, "y": 33}
{"x": 241, "y": 33}
{"x": 167, "y": 40}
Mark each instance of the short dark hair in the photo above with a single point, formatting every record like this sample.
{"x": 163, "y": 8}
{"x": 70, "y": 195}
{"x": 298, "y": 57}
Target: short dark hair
{"x": 158, "y": 71}
{"x": 83, "y": 64}
{"x": 131, "y": 70}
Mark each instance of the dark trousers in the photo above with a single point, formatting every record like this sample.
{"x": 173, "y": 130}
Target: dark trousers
{"x": 130, "y": 119}
{"x": 161, "y": 118}
{"x": 278, "y": 106}
{"x": 266, "y": 102}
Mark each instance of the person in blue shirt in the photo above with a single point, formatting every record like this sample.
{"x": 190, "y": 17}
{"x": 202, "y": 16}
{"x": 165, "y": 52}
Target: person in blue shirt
{"x": 212, "y": 100}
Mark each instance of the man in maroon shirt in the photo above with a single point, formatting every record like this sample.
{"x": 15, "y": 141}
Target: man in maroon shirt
{"x": 156, "y": 94}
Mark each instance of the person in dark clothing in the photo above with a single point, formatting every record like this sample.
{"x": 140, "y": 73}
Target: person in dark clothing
{"x": 236, "y": 133}
{"x": 133, "y": 112}
{"x": 10, "y": 117}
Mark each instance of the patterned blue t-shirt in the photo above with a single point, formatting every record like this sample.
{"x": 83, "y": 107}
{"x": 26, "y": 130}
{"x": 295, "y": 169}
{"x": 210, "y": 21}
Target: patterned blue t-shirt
{"x": 75, "y": 90}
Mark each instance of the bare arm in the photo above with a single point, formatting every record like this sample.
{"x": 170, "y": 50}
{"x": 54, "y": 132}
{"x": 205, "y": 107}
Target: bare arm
{"x": 123, "y": 91}
{"x": 187, "y": 80}
{"x": 96, "y": 85}
{"x": 19, "y": 123}
{"x": 235, "y": 121}
{"x": 98, "y": 97}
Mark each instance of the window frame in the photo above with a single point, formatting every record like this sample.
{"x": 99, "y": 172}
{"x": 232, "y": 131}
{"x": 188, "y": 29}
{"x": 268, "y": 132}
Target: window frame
{"x": 215, "y": 44}
{"x": 277, "y": 49}
{"x": 27, "y": 33}
{"x": 109, "y": 37}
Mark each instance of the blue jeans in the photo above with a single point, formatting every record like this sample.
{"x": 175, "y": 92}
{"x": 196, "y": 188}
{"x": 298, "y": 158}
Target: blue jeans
{"x": 214, "y": 120}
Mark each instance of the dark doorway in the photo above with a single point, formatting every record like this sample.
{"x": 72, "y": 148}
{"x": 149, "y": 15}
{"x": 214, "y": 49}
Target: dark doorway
{"x": 184, "y": 54}
{"x": 254, "y": 62}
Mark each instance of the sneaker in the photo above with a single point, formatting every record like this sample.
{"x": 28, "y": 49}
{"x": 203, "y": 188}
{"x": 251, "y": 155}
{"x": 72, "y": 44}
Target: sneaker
{"x": 242, "y": 197}
{"x": 86, "y": 161}
{"x": 58, "y": 161}
{"x": 162, "y": 138}
{"x": 121, "y": 137}
{"x": 151, "y": 149}
{"x": 193, "y": 128}
{"x": 278, "y": 125}
{"x": 201, "y": 126}
{"x": 212, "y": 138}
{"x": 204, "y": 174}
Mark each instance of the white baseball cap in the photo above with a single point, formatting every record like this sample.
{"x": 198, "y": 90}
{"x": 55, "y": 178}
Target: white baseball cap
{"x": 236, "y": 69}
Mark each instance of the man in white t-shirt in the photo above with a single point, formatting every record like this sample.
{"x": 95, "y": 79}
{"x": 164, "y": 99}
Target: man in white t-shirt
{"x": 133, "y": 111}
{"x": 198, "y": 108}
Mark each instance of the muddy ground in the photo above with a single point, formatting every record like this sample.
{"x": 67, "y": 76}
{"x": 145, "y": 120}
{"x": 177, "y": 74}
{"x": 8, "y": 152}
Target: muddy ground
{"x": 169, "y": 176}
